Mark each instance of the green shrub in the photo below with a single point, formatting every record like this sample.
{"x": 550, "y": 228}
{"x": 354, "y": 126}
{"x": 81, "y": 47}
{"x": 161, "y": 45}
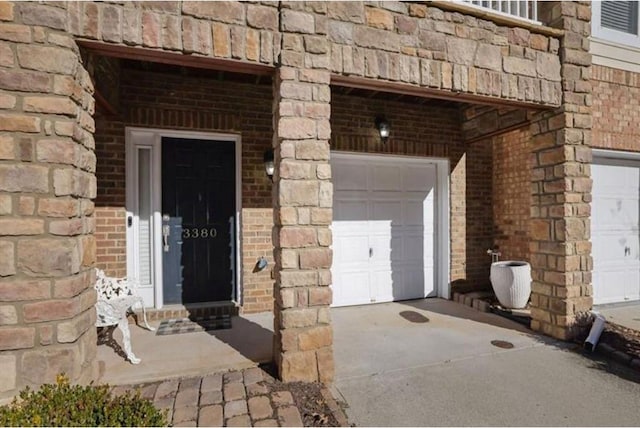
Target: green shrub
{"x": 74, "y": 405}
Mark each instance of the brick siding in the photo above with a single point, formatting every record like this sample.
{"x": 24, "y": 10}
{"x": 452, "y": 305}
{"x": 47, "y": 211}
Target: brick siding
{"x": 511, "y": 195}
{"x": 170, "y": 101}
{"x": 616, "y": 109}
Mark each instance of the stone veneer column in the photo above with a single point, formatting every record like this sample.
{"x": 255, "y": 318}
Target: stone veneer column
{"x": 561, "y": 184}
{"x": 47, "y": 182}
{"x": 302, "y": 197}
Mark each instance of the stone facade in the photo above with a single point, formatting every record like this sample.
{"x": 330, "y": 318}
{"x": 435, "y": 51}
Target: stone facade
{"x": 48, "y": 159}
{"x": 47, "y": 183}
{"x": 434, "y": 48}
{"x": 561, "y": 186}
{"x": 303, "y": 198}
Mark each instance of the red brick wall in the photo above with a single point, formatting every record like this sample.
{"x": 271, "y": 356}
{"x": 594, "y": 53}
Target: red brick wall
{"x": 478, "y": 213}
{"x": 430, "y": 131}
{"x": 110, "y": 212}
{"x": 616, "y": 109}
{"x": 511, "y": 195}
{"x": 199, "y": 104}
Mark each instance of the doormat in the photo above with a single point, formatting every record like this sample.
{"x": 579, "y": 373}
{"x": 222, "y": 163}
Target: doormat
{"x": 187, "y": 325}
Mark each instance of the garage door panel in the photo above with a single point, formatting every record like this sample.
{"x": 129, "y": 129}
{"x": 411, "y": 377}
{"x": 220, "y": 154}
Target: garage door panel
{"x": 609, "y": 289}
{"x": 350, "y": 176}
{"x": 408, "y": 283}
{"x": 395, "y": 201}
{"x": 611, "y": 248}
{"x": 413, "y": 248}
{"x": 385, "y": 178}
{"x": 352, "y": 249}
{"x": 415, "y": 212}
{"x": 420, "y": 178}
{"x": 616, "y": 214}
{"x": 354, "y": 289}
{"x": 354, "y": 208}
{"x": 631, "y": 291}
{"x": 382, "y": 285}
{"x": 615, "y": 232}
{"x": 382, "y": 247}
{"x": 390, "y": 210}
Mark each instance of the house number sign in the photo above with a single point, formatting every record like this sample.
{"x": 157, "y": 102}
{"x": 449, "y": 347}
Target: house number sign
{"x": 199, "y": 232}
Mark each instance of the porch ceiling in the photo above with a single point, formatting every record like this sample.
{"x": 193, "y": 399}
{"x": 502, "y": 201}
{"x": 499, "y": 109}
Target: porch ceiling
{"x": 182, "y": 70}
{"x": 393, "y": 96}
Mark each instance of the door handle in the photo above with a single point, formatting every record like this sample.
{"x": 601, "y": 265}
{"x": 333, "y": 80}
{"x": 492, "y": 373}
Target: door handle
{"x": 627, "y": 251}
{"x": 370, "y": 252}
{"x": 166, "y": 230}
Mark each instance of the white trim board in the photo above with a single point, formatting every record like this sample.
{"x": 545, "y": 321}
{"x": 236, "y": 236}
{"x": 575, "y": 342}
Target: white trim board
{"x": 441, "y": 212}
{"x": 603, "y": 154}
{"x": 152, "y": 138}
{"x": 615, "y": 55}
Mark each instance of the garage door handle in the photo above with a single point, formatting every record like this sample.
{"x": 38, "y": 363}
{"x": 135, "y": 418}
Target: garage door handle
{"x": 370, "y": 252}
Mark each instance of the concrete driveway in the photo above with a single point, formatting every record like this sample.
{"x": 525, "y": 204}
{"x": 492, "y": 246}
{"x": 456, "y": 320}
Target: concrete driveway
{"x": 392, "y": 371}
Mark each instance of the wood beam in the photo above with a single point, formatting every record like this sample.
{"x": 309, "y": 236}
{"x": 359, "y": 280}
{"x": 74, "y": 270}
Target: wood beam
{"x": 163, "y": 57}
{"x": 102, "y": 104}
{"x": 498, "y": 132}
{"x": 442, "y": 94}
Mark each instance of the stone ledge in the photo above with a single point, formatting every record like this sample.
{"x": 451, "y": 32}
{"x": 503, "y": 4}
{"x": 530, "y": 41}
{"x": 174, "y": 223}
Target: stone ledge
{"x": 497, "y": 18}
{"x": 474, "y": 299}
{"x": 608, "y": 351}
{"x": 179, "y": 311}
{"x": 335, "y": 408}
{"x": 485, "y": 301}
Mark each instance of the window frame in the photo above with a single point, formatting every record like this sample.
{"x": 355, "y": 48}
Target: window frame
{"x": 609, "y": 34}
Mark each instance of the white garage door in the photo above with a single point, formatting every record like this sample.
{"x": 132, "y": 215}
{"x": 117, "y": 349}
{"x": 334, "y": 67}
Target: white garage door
{"x": 615, "y": 231}
{"x": 383, "y": 229}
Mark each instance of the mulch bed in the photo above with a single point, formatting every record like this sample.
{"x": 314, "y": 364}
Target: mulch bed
{"x": 313, "y": 407}
{"x": 622, "y": 339}
{"x": 309, "y": 400}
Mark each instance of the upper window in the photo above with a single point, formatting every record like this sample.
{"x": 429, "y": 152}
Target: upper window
{"x": 525, "y": 9}
{"x": 616, "y": 21}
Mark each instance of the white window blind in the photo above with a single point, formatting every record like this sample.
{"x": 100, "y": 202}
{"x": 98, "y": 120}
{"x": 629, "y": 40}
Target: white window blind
{"x": 145, "y": 214}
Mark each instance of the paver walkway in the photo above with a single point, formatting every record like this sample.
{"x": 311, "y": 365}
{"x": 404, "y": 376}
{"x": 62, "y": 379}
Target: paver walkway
{"x": 237, "y": 398}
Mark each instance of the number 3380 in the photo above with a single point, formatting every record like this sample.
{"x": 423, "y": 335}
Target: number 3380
{"x": 194, "y": 233}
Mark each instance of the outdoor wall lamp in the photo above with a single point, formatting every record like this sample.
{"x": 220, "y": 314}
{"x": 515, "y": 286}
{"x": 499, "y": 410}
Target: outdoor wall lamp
{"x": 383, "y": 128}
{"x": 269, "y": 166}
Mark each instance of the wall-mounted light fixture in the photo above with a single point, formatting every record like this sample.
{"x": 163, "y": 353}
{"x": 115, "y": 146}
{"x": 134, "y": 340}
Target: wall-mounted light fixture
{"x": 383, "y": 128}
{"x": 269, "y": 166}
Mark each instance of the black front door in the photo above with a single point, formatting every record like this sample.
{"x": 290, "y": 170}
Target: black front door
{"x": 198, "y": 208}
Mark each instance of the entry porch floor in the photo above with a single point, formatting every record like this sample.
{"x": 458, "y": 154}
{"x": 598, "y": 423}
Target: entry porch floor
{"x": 247, "y": 344}
{"x": 364, "y": 337}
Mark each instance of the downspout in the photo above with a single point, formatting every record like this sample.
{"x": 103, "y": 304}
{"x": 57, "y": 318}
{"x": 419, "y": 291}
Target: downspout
{"x": 595, "y": 332}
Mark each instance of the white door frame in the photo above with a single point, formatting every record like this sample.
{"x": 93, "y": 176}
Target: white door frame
{"x": 441, "y": 212}
{"x": 153, "y": 140}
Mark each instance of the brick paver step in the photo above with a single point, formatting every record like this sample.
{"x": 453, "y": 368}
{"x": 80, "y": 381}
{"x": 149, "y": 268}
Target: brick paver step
{"x": 239, "y": 398}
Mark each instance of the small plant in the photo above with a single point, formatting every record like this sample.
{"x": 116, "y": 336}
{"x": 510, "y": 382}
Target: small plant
{"x": 74, "y": 405}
